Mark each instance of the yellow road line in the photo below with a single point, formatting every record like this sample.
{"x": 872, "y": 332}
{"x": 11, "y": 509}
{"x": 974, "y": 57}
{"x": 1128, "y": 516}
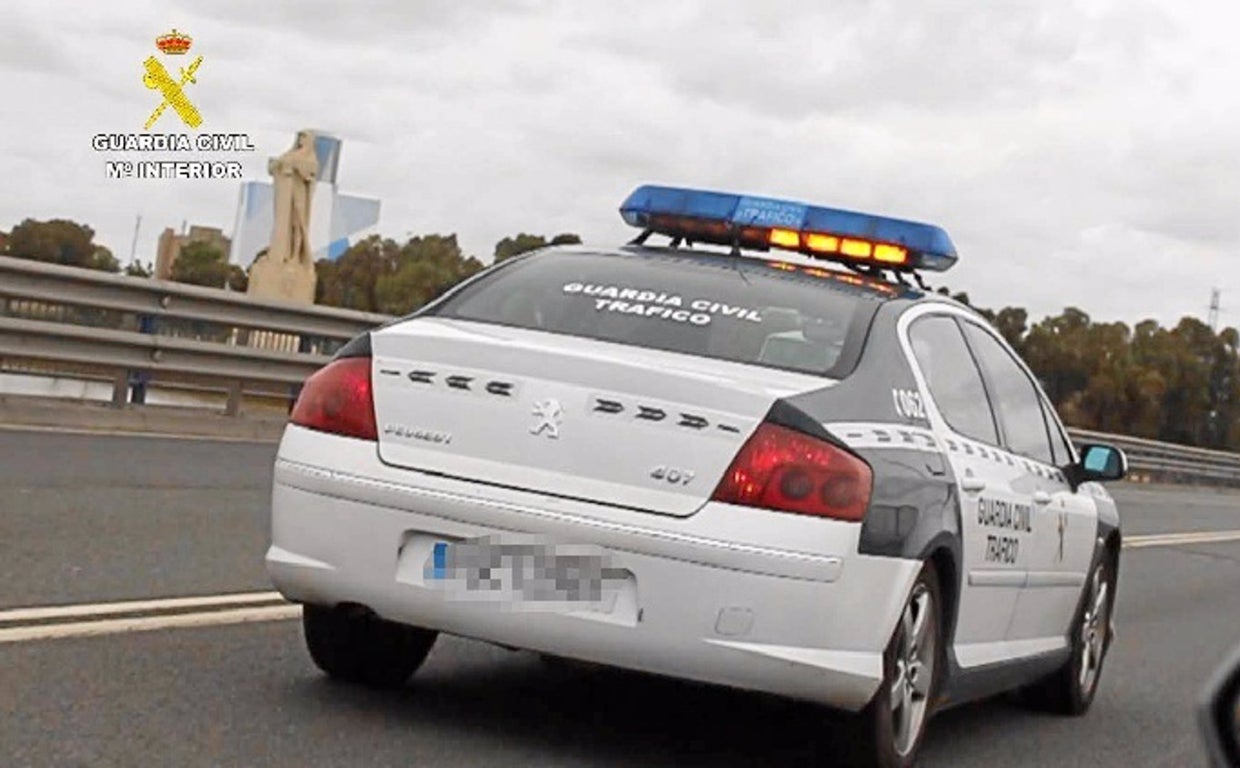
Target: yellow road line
{"x": 1179, "y": 539}
{"x": 148, "y": 623}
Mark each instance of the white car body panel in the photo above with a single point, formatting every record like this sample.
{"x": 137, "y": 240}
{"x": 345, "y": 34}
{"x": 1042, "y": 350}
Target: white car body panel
{"x": 567, "y": 443}
{"x": 731, "y": 595}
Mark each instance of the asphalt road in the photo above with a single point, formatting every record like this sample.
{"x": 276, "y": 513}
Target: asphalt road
{"x": 90, "y": 519}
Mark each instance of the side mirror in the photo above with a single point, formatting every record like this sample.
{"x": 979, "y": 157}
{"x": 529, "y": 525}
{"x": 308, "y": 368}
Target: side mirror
{"x": 1219, "y": 715}
{"x": 1100, "y": 463}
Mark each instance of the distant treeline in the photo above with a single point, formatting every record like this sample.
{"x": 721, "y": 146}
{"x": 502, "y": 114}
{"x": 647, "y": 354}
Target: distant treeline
{"x": 1180, "y": 384}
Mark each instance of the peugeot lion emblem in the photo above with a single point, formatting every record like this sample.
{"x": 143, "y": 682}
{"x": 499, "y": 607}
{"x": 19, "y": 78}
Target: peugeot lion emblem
{"x": 549, "y": 413}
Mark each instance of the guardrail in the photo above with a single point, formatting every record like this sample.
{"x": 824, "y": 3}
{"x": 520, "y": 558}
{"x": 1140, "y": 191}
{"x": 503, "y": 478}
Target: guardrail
{"x": 138, "y": 331}
{"x": 1154, "y": 460}
{"x": 142, "y": 330}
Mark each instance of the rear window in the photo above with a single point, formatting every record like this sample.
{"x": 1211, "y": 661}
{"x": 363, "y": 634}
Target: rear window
{"x": 716, "y": 306}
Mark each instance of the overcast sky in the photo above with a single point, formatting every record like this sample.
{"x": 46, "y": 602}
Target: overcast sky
{"x": 1079, "y": 153}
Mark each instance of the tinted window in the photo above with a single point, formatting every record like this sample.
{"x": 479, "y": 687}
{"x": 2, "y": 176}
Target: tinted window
{"x": 1014, "y": 396}
{"x": 954, "y": 381}
{"x": 738, "y": 309}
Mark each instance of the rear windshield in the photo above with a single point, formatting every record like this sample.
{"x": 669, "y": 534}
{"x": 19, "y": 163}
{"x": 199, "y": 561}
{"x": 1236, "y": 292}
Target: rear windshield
{"x": 729, "y": 308}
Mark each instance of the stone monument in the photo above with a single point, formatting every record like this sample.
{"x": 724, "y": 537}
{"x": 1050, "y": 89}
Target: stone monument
{"x": 285, "y": 270}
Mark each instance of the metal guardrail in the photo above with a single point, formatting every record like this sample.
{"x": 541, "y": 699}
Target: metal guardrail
{"x": 142, "y": 329}
{"x": 1155, "y": 460}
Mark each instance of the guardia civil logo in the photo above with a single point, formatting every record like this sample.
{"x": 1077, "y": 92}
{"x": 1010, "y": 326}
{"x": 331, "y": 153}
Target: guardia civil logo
{"x": 157, "y": 77}
{"x": 163, "y": 156}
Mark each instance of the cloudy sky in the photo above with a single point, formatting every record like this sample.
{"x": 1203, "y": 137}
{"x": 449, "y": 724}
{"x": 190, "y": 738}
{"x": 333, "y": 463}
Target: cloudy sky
{"x": 1079, "y": 153}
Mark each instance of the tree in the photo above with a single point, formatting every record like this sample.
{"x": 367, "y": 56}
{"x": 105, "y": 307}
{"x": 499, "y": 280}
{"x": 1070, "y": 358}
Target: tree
{"x": 139, "y": 269}
{"x": 102, "y": 259}
{"x": 1013, "y": 323}
{"x": 425, "y": 267}
{"x": 201, "y": 264}
{"x": 514, "y": 246}
{"x": 60, "y": 241}
{"x": 378, "y": 275}
{"x": 238, "y": 279}
{"x": 350, "y": 280}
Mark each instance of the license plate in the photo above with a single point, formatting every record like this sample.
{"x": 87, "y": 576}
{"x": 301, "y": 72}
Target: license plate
{"x": 534, "y": 575}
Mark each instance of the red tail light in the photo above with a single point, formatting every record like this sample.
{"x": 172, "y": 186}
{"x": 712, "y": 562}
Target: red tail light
{"x": 338, "y": 399}
{"x": 780, "y": 468}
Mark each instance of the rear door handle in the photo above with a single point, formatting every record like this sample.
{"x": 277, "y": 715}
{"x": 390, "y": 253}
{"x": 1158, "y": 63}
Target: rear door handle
{"x": 1041, "y": 497}
{"x": 973, "y": 484}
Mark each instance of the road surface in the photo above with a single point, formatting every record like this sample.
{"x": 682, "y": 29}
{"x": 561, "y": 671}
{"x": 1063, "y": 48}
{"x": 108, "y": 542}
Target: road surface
{"x": 88, "y": 521}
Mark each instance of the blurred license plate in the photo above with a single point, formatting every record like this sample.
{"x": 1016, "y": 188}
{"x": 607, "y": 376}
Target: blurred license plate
{"x": 534, "y": 575}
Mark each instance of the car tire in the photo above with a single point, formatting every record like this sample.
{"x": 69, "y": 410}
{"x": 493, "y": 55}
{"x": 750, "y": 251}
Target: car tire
{"x": 359, "y": 647}
{"x": 1070, "y": 689}
{"x": 889, "y": 732}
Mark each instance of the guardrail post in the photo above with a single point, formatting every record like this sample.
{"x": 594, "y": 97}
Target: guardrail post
{"x": 120, "y": 389}
{"x": 139, "y": 379}
{"x": 233, "y": 406}
{"x": 294, "y": 391}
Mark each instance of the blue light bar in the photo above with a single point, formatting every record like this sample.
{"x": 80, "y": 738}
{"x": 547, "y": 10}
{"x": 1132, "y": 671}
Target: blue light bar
{"x": 763, "y": 223}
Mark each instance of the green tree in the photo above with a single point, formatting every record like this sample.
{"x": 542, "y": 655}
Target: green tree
{"x": 102, "y": 259}
{"x": 60, "y": 241}
{"x": 350, "y": 280}
{"x": 424, "y": 268}
{"x": 522, "y": 243}
{"x": 238, "y": 279}
{"x": 1013, "y": 324}
{"x": 201, "y": 264}
{"x": 139, "y": 269}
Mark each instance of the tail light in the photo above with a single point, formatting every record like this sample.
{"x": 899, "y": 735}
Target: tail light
{"x": 338, "y": 399}
{"x": 780, "y": 468}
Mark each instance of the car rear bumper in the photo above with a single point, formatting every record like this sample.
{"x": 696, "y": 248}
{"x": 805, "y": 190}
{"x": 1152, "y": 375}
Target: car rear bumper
{"x": 717, "y": 601}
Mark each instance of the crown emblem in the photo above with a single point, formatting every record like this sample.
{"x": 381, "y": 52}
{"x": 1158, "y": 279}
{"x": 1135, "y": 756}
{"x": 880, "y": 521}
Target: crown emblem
{"x": 174, "y": 43}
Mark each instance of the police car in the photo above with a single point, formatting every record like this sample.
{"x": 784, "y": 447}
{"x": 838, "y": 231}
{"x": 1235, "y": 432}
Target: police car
{"x": 806, "y": 475}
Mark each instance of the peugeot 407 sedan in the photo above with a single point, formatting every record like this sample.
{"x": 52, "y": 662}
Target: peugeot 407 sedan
{"x": 801, "y": 476}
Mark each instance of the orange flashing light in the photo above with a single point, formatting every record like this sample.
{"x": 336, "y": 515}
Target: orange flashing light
{"x": 785, "y": 238}
{"x": 822, "y": 243}
{"x": 890, "y": 254}
{"x": 858, "y": 249}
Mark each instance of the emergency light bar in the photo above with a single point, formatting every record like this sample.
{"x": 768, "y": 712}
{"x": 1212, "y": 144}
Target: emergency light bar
{"x": 761, "y": 223}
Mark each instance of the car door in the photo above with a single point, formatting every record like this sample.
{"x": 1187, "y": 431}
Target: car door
{"x": 1058, "y": 544}
{"x": 993, "y": 490}
{"x": 1070, "y": 531}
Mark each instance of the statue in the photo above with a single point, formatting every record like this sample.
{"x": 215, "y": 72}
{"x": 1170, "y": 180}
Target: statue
{"x": 286, "y": 270}
{"x": 295, "y": 173}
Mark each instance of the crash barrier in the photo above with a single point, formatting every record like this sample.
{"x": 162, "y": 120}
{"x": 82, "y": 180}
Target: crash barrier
{"x": 139, "y": 332}
{"x": 1154, "y": 461}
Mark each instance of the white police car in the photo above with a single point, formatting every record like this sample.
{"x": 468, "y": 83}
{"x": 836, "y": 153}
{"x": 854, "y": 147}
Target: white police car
{"x": 769, "y": 474}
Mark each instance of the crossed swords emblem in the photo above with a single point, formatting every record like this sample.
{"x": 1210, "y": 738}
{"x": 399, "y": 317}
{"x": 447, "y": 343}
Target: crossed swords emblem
{"x": 157, "y": 78}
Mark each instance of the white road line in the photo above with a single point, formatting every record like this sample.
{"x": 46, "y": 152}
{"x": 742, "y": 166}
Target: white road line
{"x": 148, "y": 623}
{"x": 135, "y": 606}
{"x": 1178, "y": 539}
